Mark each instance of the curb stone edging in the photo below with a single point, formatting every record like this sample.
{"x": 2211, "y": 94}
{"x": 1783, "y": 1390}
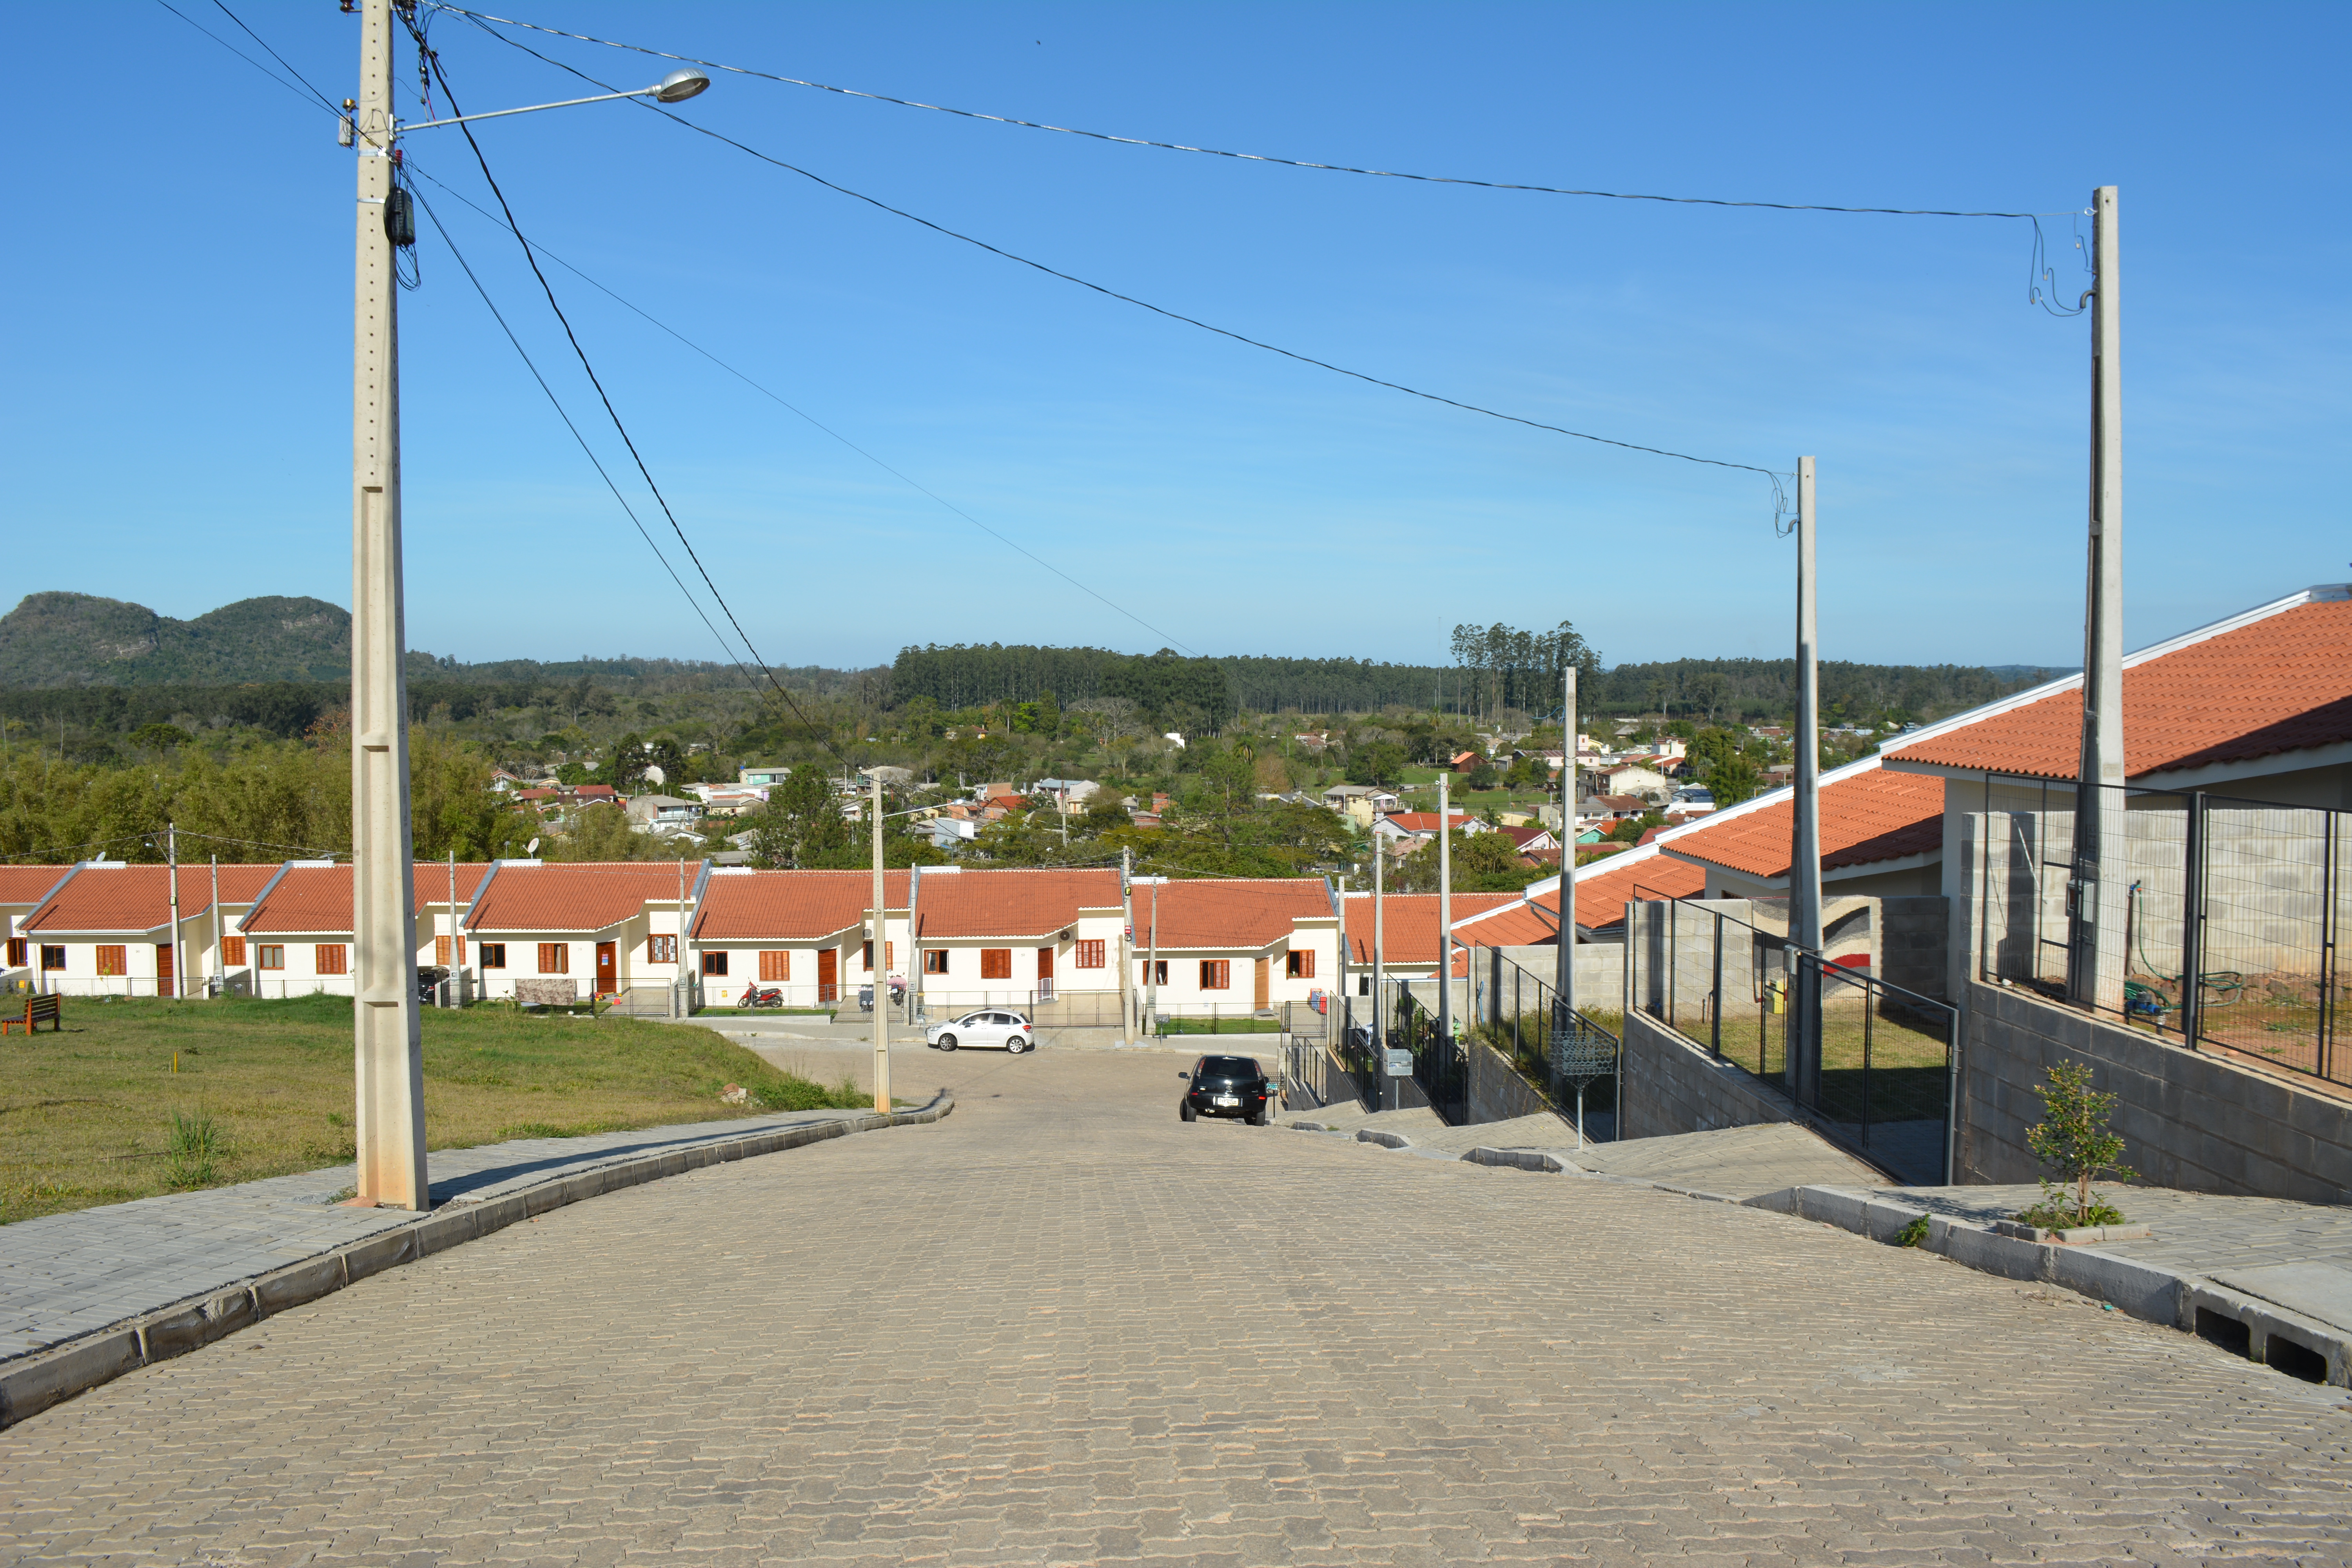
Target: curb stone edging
{"x": 49, "y": 1378}
{"x": 2189, "y": 1302}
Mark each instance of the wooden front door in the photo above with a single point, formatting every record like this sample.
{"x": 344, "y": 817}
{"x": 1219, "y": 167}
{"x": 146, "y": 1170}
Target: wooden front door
{"x": 828, "y": 974}
{"x": 1262, "y": 989}
{"x": 608, "y": 968}
{"x": 164, "y": 970}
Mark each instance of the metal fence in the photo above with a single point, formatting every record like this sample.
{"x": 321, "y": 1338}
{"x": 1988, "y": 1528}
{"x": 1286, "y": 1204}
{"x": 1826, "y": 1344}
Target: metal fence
{"x": 1873, "y": 1061}
{"x": 2215, "y": 919}
{"x": 1519, "y": 1014}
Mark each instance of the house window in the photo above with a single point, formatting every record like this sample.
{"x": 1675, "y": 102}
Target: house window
{"x": 935, "y": 961}
{"x": 555, "y": 958}
{"x": 272, "y": 955}
{"x": 661, "y": 949}
{"x": 715, "y": 963}
{"x": 1363, "y": 985}
{"x": 995, "y": 963}
{"x": 1154, "y": 972}
{"x": 328, "y": 958}
{"x": 19, "y": 953}
{"x": 1300, "y": 965}
{"x": 1089, "y": 955}
{"x": 889, "y": 955}
{"x": 232, "y": 949}
{"x": 494, "y": 955}
{"x": 441, "y": 951}
{"x": 53, "y": 957}
{"x": 776, "y": 965}
{"x": 1216, "y": 975}
{"x": 111, "y": 961}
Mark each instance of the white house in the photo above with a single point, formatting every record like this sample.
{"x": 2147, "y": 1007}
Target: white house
{"x": 806, "y": 934}
{"x": 1234, "y": 946}
{"x": 104, "y": 928}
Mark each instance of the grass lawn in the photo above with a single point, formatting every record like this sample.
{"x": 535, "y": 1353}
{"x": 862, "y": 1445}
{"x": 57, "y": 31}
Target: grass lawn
{"x": 1224, "y": 1025}
{"x": 136, "y": 1098}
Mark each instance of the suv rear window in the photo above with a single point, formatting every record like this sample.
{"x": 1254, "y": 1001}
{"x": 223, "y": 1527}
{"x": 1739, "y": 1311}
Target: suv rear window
{"x": 1229, "y": 1066}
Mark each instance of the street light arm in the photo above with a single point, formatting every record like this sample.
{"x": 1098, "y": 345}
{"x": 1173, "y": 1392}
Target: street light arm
{"x": 532, "y": 109}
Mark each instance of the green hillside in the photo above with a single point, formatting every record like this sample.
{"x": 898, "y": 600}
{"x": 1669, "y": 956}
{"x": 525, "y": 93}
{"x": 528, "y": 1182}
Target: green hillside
{"x": 73, "y": 639}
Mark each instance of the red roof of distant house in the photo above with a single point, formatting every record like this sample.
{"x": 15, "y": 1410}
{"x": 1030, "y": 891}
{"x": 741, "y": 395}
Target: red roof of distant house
{"x": 596, "y": 792}
{"x": 1426, "y": 821}
{"x": 1009, "y": 903}
{"x": 1410, "y": 922}
{"x": 135, "y": 897}
{"x": 1875, "y": 814}
{"x": 586, "y": 895}
{"x": 1218, "y": 913}
{"x": 1541, "y": 857}
{"x": 318, "y": 899}
{"x": 1524, "y": 835}
{"x": 791, "y": 906}
{"x": 2277, "y": 679}
{"x": 1619, "y": 803}
{"x": 1008, "y": 802}
{"x": 535, "y": 794}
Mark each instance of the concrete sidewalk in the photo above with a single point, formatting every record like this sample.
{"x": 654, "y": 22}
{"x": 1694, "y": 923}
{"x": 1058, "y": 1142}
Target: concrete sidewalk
{"x": 64, "y": 1276}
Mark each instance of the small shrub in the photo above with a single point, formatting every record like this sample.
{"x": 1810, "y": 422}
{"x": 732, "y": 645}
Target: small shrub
{"x": 1913, "y": 1235}
{"x": 198, "y": 1143}
{"x": 2072, "y": 1137}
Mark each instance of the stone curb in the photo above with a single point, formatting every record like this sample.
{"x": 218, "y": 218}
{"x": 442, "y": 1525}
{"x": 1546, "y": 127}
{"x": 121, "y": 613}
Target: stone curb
{"x": 2189, "y": 1302}
{"x": 35, "y": 1382}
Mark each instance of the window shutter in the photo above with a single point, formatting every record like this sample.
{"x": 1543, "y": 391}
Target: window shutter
{"x": 441, "y": 951}
{"x": 776, "y": 965}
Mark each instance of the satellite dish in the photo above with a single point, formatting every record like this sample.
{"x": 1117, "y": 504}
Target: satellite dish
{"x": 531, "y": 848}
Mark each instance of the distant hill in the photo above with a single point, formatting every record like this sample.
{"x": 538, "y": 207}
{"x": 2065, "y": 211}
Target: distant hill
{"x": 81, "y": 639}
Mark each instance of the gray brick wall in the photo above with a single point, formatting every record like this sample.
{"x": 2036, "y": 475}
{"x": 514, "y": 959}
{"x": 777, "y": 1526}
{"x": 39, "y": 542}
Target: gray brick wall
{"x": 2190, "y": 1120}
{"x": 1496, "y": 1092}
{"x": 1669, "y": 1085}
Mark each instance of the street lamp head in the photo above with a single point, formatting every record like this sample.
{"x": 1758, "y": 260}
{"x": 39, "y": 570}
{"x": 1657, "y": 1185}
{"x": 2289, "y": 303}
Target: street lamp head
{"x": 680, "y": 85}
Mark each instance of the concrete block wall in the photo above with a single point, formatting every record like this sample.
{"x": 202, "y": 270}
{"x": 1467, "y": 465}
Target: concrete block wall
{"x": 1913, "y": 937}
{"x": 1497, "y": 1093}
{"x": 1668, "y": 1085}
{"x": 2190, "y": 1120}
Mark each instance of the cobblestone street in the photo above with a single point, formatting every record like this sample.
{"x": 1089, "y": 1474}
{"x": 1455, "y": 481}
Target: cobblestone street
{"x": 1061, "y": 1327}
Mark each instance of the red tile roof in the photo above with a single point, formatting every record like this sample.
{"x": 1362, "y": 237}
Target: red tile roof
{"x": 318, "y": 899}
{"x": 1008, "y": 903}
{"x": 29, "y": 884}
{"x": 1875, "y": 814}
{"x": 1411, "y": 937}
{"x": 138, "y": 897}
{"x": 1210, "y": 913}
{"x": 1426, "y": 821}
{"x": 791, "y": 906}
{"x": 588, "y": 895}
{"x": 2273, "y": 681}
{"x": 1522, "y": 836}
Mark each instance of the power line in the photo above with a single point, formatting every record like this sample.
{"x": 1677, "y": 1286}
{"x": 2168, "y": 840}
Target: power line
{"x": 1774, "y": 478}
{"x": 613, "y": 413}
{"x": 273, "y": 54}
{"x": 479, "y": 16}
{"x": 248, "y": 59}
{"x": 812, "y": 419}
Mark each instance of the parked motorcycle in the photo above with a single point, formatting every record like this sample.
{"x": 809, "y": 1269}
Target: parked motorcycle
{"x": 756, "y": 996}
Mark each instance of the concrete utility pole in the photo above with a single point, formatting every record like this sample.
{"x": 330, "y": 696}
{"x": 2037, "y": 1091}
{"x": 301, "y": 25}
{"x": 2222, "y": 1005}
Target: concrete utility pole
{"x": 1151, "y": 968}
{"x": 1125, "y": 953}
{"x": 387, "y": 1047}
{"x": 452, "y": 994}
{"x": 220, "y": 971}
{"x": 2095, "y": 957}
{"x": 1564, "y": 975}
{"x": 1379, "y": 958}
{"x": 879, "y": 963}
{"x": 1444, "y": 917}
{"x": 171, "y": 862}
{"x": 1805, "y": 828}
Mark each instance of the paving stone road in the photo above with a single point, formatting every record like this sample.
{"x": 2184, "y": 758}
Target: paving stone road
{"x": 1060, "y": 1327}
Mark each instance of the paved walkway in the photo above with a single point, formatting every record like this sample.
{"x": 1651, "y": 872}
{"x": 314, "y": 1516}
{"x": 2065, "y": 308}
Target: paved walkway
{"x": 70, "y": 1274}
{"x": 2298, "y": 1254}
{"x": 1061, "y": 1327}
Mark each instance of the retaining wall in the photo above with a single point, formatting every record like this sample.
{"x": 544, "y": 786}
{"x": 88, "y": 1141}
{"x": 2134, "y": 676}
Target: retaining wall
{"x": 1497, "y": 1093}
{"x": 2192, "y": 1120}
{"x": 1666, "y": 1084}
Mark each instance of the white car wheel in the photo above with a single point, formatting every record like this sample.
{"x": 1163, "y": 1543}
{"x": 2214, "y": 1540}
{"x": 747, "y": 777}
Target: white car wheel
{"x": 1015, "y": 1046}
{"x": 947, "y": 1042}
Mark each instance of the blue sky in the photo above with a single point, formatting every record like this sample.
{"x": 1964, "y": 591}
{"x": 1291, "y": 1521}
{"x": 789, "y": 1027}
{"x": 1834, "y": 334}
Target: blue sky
{"x": 174, "y": 416}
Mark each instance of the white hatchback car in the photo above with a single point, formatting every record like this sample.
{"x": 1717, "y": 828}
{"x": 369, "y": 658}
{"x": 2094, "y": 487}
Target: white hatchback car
{"x": 989, "y": 1027}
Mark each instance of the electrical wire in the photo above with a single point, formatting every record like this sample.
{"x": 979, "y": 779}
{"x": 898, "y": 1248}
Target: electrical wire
{"x": 273, "y": 54}
{"x": 764, "y": 392}
{"x": 1775, "y": 478}
{"x": 613, "y": 413}
{"x": 248, "y": 59}
{"x": 479, "y": 17}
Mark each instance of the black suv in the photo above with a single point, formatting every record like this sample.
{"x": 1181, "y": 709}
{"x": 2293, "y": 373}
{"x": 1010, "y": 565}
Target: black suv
{"x": 1226, "y": 1085}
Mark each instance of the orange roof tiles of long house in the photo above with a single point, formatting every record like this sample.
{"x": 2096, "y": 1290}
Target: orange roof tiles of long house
{"x": 1208, "y": 912}
{"x": 583, "y": 895}
{"x": 1027, "y": 903}
{"x": 1869, "y": 815}
{"x": 2276, "y": 679}
{"x": 30, "y": 884}
{"x": 1411, "y": 937}
{"x": 138, "y": 897}
{"x": 310, "y": 898}
{"x": 791, "y": 906}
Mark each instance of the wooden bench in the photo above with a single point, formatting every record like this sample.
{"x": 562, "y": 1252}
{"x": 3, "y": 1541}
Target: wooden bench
{"x": 36, "y": 1010}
